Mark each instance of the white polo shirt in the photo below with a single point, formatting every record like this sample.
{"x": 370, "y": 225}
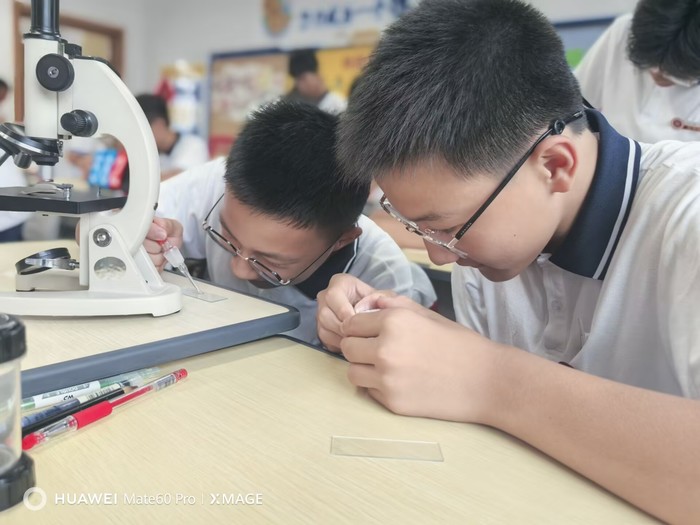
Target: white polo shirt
{"x": 11, "y": 176}
{"x": 628, "y": 96}
{"x": 333, "y": 103}
{"x": 621, "y": 297}
{"x": 373, "y": 258}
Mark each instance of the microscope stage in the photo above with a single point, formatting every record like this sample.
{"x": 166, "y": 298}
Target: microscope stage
{"x": 74, "y": 203}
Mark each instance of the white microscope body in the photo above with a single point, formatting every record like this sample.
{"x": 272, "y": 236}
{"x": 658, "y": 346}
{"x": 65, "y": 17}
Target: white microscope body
{"x": 65, "y": 90}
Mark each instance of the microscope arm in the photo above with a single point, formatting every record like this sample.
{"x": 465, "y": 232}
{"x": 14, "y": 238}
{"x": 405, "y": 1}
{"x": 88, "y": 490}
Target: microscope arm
{"x": 97, "y": 89}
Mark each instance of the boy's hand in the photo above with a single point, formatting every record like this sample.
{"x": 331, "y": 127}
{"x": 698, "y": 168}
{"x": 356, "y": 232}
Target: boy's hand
{"x": 160, "y": 230}
{"x": 416, "y": 362}
{"x": 337, "y": 303}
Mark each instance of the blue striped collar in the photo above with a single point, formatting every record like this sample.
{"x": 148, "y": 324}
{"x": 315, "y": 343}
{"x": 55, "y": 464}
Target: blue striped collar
{"x": 590, "y": 244}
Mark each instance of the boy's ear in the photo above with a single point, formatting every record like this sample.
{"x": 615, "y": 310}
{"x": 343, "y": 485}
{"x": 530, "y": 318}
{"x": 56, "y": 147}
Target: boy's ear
{"x": 347, "y": 237}
{"x": 559, "y": 158}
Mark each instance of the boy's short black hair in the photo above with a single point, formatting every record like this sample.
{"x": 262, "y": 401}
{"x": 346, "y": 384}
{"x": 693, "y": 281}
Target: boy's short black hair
{"x": 154, "y": 107}
{"x": 283, "y": 165}
{"x": 666, "y": 34}
{"x": 471, "y": 83}
{"x": 4, "y": 85}
{"x": 302, "y": 61}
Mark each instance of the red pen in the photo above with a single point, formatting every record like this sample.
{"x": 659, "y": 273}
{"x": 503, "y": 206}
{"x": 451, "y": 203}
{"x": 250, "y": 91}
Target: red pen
{"x": 97, "y": 412}
{"x": 154, "y": 386}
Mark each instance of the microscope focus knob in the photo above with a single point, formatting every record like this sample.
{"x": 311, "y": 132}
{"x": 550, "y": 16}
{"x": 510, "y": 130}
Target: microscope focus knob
{"x": 79, "y": 123}
{"x": 55, "y": 72}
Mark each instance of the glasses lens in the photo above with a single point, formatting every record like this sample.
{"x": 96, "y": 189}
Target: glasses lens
{"x": 439, "y": 238}
{"x": 216, "y": 236}
{"x": 267, "y": 274}
{"x": 410, "y": 226}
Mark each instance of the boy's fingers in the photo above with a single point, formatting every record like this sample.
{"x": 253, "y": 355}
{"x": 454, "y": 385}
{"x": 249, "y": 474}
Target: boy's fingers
{"x": 359, "y": 350}
{"x": 364, "y": 324}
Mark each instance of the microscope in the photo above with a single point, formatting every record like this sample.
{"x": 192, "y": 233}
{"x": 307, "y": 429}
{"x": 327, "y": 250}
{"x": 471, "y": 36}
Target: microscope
{"x": 67, "y": 94}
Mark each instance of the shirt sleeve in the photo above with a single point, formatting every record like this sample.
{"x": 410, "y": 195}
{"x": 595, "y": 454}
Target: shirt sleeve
{"x": 187, "y": 198}
{"x": 190, "y": 153}
{"x": 468, "y": 299}
{"x": 333, "y": 103}
{"x": 679, "y": 290}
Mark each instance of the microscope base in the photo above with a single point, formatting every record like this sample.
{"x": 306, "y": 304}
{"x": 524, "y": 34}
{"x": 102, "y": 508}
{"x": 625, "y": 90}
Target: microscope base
{"x": 84, "y": 303}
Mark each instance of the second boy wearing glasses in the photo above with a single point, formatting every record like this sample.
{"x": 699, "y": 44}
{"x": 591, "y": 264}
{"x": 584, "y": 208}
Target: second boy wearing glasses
{"x": 643, "y": 73}
{"x": 588, "y": 256}
{"x": 274, "y": 220}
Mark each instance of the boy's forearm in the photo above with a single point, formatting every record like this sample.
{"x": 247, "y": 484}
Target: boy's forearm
{"x": 639, "y": 444}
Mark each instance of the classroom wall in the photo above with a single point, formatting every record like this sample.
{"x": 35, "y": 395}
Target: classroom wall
{"x": 197, "y": 29}
{"x": 192, "y": 30}
{"x": 127, "y": 14}
{"x": 7, "y": 58}
{"x": 566, "y": 10}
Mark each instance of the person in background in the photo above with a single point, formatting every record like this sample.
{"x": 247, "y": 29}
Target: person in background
{"x": 4, "y": 95}
{"x": 178, "y": 152}
{"x": 11, "y": 222}
{"x": 278, "y": 221}
{"x": 576, "y": 282}
{"x": 643, "y": 73}
{"x": 309, "y": 86}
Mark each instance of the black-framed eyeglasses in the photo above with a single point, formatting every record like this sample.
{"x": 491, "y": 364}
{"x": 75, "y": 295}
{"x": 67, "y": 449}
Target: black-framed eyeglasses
{"x": 263, "y": 271}
{"x": 434, "y": 237}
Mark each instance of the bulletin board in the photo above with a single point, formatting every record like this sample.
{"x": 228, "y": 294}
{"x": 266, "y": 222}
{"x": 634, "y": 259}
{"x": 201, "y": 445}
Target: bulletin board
{"x": 242, "y": 82}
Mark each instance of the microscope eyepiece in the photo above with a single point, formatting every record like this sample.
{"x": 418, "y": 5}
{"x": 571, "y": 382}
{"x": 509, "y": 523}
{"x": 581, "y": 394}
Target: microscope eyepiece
{"x": 44, "y": 18}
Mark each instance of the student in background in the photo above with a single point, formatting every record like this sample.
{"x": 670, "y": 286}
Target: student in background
{"x": 643, "y": 73}
{"x": 11, "y": 222}
{"x": 573, "y": 244}
{"x": 177, "y": 152}
{"x": 4, "y": 95}
{"x": 309, "y": 86}
{"x": 278, "y": 220}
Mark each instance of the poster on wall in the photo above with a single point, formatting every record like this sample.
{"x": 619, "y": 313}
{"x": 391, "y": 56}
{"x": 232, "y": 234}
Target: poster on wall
{"x": 242, "y": 82}
{"x": 314, "y": 23}
{"x": 181, "y": 86}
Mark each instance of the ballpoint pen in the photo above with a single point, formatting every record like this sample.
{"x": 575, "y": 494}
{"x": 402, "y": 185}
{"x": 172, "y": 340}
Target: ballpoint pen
{"x": 97, "y": 412}
{"x": 174, "y": 256}
{"x": 154, "y": 386}
{"x": 37, "y": 420}
{"x": 135, "y": 378}
{"x": 74, "y": 422}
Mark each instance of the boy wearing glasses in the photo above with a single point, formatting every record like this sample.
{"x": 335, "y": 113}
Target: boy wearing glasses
{"x": 275, "y": 220}
{"x": 643, "y": 73}
{"x": 574, "y": 245}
